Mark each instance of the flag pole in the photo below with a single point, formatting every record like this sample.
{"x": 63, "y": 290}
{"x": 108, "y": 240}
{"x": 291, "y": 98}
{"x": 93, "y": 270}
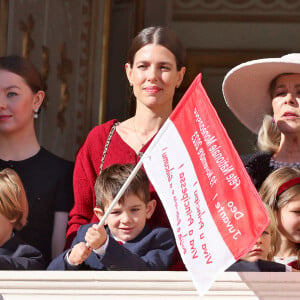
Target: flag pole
{"x": 120, "y": 193}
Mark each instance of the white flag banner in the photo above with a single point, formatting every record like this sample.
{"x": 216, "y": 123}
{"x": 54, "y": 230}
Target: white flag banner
{"x": 214, "y": 210}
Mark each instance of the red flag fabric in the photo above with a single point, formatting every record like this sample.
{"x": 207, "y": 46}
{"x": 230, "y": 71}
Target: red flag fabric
{"x": 214, "y": 209}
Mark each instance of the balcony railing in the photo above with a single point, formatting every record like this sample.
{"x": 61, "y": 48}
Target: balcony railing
{"x": 143, "y": 285}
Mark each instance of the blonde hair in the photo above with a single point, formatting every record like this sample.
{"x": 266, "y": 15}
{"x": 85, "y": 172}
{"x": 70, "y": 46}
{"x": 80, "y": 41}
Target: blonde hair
{"x": 13, "y": 201}
{"x": 269, "y": 136}
{"x": 270, "y": 186}
{"x": 273, "y": 232}
{"x": 269, "y": 189}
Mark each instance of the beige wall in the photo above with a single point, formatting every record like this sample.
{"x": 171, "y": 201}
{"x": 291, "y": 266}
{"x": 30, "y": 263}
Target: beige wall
{"x": 3, "y": 25}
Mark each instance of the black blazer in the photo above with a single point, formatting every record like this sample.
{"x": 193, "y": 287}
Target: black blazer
{"x": 257, "y": 266}
{"x": 258, "y": 166}
{"x": 150, "y": 250}
{"x": 17, "y": 255}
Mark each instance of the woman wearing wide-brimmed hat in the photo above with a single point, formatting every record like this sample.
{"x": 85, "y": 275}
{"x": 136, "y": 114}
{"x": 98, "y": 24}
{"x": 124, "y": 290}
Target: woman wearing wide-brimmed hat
{"x": 264, "y": 95}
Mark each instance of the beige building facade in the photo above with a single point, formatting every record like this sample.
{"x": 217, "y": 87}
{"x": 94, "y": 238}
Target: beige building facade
{"x": 80, "y": 47}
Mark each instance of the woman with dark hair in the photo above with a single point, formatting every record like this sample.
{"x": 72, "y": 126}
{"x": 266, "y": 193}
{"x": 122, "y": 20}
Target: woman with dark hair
{"x": 47, "y": 178}
{"x": 155, "y": 68}
{"x": 264, "y": 94}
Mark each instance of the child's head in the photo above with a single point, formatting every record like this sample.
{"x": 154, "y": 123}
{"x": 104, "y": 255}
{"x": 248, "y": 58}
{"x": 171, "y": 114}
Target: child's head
{"x": 110, "y": 181}
{"x": 13, "y": 201}
{"x": 265, "y": 245}
{"x": 281, "y": 191}
{"x": 128, "y": 217}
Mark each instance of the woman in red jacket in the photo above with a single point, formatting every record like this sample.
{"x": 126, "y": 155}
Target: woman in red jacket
{"x": 155, "y": 68}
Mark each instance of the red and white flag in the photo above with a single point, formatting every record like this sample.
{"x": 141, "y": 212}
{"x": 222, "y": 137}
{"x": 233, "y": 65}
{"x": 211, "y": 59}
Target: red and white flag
{"x": 214, "y": 209}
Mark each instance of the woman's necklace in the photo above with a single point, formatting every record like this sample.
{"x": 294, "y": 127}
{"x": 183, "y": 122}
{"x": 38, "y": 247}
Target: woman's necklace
{"x": 137, "y": 136}
{"x": 280, "y": 164}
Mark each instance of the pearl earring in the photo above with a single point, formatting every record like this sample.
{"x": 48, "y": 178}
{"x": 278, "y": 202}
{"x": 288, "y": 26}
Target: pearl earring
{"x": 35, "y": 115}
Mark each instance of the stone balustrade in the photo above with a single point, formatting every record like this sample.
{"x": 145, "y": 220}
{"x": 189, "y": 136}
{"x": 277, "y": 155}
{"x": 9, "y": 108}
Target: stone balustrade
{"x": 36, "y": 285}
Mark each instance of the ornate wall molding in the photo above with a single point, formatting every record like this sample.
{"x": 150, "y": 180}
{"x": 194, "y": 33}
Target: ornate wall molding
{"x": 64, "y": 68}
{"x": 64, "y": 41}
{"x": 3, "y": 25}
{"x": 82, "y": 89}
{"x": 250, "y": 10}
{"x": 27, "y": 29}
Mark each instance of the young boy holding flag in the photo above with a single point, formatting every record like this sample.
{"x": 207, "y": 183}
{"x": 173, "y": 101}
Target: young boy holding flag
{"x": 127, "y": 243}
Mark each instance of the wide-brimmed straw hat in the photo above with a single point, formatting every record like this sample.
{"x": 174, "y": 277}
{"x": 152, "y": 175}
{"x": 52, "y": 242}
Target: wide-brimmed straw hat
{"x": 246, "y": 87}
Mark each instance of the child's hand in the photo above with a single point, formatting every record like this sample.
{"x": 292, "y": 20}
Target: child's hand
{"x": 96, "y": 236}
{"x": 79, "y": 253}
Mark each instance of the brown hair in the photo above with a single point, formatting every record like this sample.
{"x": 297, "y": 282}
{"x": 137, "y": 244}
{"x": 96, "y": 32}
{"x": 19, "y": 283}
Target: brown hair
{"x": 13, "y": 201}
{"x": 110, "y": 181}
{"x": 161, "y": 36}
{"x": 273, "y": 232}
{"x": 270, "y": 186}
{"x": 25, "y": 69}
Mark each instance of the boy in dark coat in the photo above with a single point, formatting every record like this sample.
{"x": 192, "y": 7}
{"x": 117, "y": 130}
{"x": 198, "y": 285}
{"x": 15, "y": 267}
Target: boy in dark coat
{"x": 14, "y": 253}
{"x": 127, "y": 243}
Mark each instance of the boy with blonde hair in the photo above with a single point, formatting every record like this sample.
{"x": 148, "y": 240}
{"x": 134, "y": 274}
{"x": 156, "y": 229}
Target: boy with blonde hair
{"x": 15, "y": 254}
{"x": 127, "y": 243}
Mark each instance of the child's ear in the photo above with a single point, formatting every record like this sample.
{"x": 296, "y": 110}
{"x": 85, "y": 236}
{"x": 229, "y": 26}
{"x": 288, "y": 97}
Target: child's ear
{"x": 98, "y": 212}
{"x": 13, "y": 221}
{"x": 150, "y": 207}
{"x": 14, "y": 224}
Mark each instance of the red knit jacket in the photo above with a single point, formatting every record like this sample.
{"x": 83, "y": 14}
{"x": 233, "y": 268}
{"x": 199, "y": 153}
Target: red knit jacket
{"x": 87, "y": 168}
